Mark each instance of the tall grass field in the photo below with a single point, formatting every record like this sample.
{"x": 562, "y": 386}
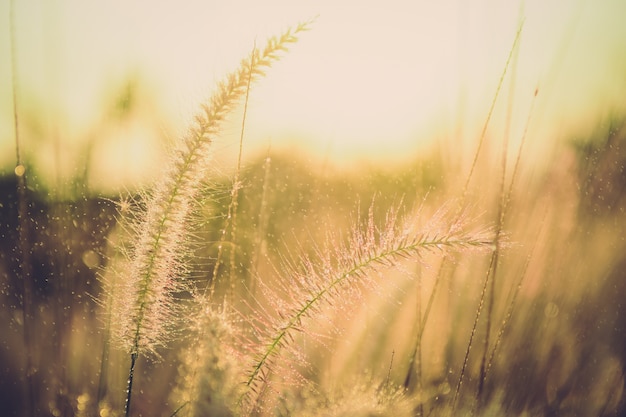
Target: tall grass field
{"x": 456, "y": 283}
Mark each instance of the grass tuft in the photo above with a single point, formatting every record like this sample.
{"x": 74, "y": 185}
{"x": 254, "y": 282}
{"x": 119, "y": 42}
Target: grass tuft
{"x": 324, "y": 277}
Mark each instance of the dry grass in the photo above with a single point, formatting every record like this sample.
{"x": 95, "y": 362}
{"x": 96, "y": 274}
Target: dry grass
{"x": 498, "y": 293}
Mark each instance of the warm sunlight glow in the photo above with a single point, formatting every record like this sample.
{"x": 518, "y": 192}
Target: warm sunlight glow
{"x": 371, "y": 80}
{"x": 301, "y": 208}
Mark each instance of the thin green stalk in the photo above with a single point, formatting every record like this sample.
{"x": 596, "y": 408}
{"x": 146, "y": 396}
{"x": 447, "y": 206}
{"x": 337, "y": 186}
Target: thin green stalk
{"x": 262, "y": 224}
{"x": 489, "y": 316}
{"x": 500, "y": 224}
{"x": 418, "y": 352}
{"x": 486, "y": 364}
{"x": 147, "y": 311}
{"x": 493, "y": 105}
{"x": 366, "y": 252}
{"x": 488, "y": 284}
{"x": 237, "y": 185}
{"x": 438, "y": 278}
{"x": 421, "y": 322}
{"x": 479, "y": 310}
{"x": 231, "y": 215}
{"x": 179, "y": 409}
{"x": 512, "y": 303}
{"x": 380, "y": 259}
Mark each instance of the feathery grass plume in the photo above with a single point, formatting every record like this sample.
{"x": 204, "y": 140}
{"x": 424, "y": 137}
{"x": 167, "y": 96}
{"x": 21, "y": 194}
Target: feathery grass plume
{"x": 161, "y": 233}
{"x": 208, "y": 376}
{"x": 145, "y": 317}
{"x": 363, "y": 397}
{"x": 339, "y": 268}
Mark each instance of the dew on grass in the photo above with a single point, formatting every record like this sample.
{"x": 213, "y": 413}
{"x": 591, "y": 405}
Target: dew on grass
{"x": 83, "y": 402}
{"x": 91, "y": 259}
{"x": 294, "y": 205}
{"x": 20, "y": 170}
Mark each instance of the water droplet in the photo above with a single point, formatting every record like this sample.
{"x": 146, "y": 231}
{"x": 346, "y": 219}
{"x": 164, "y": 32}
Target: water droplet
{"x": 551, "y": 310}
{"x": 20, "y": 170}
{"x": 90, "y": 259}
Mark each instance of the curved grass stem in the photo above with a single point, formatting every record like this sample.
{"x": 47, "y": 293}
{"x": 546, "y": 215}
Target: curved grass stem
{"x": 156, "y": 272}
{"x": 366, "y": 252}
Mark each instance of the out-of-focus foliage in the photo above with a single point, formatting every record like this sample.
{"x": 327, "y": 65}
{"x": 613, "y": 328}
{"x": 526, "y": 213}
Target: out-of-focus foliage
{"x": 559, "y": 287}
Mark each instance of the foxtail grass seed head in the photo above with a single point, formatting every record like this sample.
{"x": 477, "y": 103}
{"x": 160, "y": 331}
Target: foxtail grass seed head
{"x": 208, "y": 383}
{"x": 146, "y": 310}
{"x": 340, "y": 268}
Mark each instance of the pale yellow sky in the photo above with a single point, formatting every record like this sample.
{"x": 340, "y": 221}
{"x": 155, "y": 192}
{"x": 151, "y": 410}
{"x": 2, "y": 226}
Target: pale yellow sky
{"x": 372, "y": 79}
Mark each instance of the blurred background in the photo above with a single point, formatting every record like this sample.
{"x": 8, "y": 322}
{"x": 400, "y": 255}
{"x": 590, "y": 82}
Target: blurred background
{"x": 111, "y": 83}
{"x": 379, "y": 101}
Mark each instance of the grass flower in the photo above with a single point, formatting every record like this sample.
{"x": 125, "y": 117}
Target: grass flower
{"x": 146, "y": 311}
{"x": 334, "y": 272}
{"x": 208, "y": 384}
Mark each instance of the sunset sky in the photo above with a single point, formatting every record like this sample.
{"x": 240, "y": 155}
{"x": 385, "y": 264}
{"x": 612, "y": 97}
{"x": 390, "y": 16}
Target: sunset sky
{"x": 372, "y": 80}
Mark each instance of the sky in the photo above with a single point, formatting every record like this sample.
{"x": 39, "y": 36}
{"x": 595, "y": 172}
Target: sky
{"x": 371, "y": 81}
